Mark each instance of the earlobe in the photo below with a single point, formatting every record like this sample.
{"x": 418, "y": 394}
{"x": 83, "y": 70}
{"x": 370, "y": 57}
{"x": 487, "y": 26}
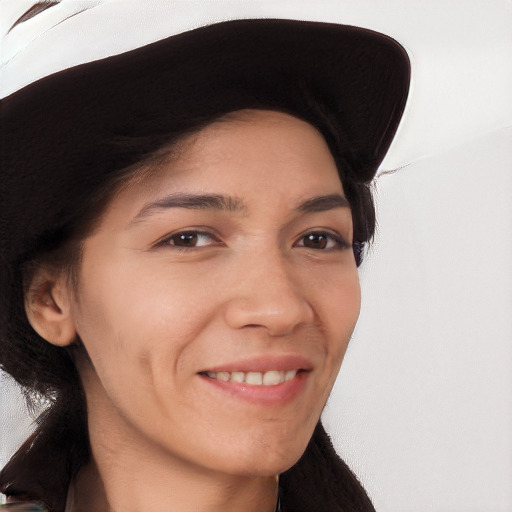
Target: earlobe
{"x": 48, "y": 310}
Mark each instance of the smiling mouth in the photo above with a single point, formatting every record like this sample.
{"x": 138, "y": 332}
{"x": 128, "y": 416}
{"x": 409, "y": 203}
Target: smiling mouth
{"x": 269, "y": 378}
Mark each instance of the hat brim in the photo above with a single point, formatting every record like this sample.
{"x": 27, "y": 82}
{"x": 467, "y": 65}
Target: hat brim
{"x": 66, "y": 129}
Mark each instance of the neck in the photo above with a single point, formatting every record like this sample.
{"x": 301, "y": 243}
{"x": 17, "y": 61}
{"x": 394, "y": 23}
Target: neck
{"x": 132, "y": 491}
{"x": 128, "y": 473}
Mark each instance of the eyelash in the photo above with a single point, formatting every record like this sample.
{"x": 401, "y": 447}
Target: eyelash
{"x": 166, "y": 242}
{"x": 339, "y": 242}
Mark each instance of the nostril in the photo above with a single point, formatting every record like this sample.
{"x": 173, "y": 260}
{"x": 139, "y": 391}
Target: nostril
{"x": 277, "y": 319}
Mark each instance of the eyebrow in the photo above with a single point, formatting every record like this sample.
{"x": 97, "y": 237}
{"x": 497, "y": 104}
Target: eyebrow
{"x": 193, "y": 202}
{"x": 219, "y": 202}
{"x": 323, "y": 203}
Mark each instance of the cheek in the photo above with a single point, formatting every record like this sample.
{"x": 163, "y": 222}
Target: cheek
{"x": 341, "y": 307}
{"x": 347, "y": 305}
{"x": 142, "y": 319}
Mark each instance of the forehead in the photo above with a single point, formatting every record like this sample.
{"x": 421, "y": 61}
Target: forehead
{"x": 247, "y": 154}
{"x": 253, "y": 142}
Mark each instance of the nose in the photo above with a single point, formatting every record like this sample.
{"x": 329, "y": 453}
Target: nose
{"x": 269, "y": 294}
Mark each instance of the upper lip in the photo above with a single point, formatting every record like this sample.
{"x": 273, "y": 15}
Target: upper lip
{"x": 264, "y": 364}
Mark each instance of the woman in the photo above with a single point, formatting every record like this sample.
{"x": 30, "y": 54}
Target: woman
{"x": 183, "y": 284}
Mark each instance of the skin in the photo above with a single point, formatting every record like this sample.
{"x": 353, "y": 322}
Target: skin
{"x": 153, "y": 315}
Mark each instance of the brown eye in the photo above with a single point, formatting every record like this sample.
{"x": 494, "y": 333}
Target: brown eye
{"x": 192, "y": 239}
{"x": 185, "y": 239}
{"x": 189, "y": 240}
{"x": 322, "y": 240}
{"x": 315, "y": 241}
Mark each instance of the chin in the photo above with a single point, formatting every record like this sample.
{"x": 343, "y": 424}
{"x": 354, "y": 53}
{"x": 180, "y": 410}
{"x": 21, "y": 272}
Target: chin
{"x": 268, "y": 459}
{"x": 268, "y": 467}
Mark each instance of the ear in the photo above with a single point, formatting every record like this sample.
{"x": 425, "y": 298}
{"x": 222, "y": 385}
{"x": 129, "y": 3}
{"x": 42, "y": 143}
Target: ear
{"x": 48, "y": 308}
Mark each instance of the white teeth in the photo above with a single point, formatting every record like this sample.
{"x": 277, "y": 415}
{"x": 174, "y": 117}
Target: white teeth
{"x": 289, "y": 375}
{"x": 224, "y": 376}
{"x": 270, "y": 378}
{"x": 254, "y": 378}
{"x": 238, "y": 376}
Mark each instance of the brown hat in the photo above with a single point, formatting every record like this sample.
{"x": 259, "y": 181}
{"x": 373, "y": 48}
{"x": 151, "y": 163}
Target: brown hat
{"x": 64, "y": 134}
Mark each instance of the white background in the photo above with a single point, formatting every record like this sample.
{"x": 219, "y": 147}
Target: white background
{"x": 422, "y": 410}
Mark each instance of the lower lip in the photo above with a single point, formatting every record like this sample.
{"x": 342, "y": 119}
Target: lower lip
{"x": 266, "y": 395}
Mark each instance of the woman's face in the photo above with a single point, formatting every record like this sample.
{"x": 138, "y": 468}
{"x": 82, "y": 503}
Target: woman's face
{"x": 216, "y": 301}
